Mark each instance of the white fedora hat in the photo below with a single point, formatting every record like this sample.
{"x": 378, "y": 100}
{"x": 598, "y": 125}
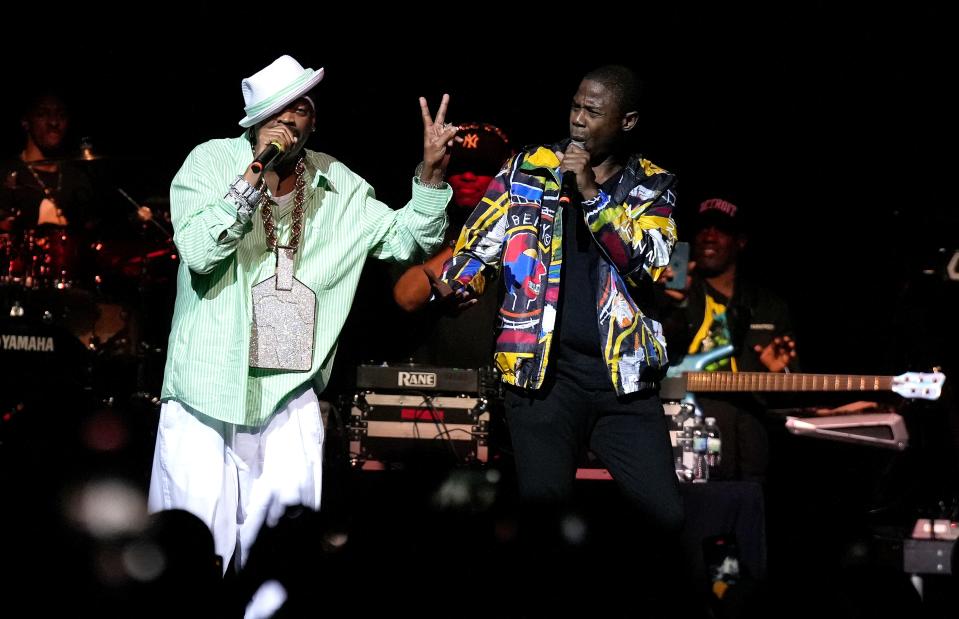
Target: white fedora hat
{"x": 269, "y": 90}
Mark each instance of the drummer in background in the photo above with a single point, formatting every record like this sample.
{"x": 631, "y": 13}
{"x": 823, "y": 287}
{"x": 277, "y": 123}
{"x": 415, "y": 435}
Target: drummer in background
{"x": 55, "y": 193}
{"x": 53, "y": 185}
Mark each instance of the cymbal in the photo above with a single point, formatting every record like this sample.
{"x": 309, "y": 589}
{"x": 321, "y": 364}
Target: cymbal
{"x": 81, "y": 157}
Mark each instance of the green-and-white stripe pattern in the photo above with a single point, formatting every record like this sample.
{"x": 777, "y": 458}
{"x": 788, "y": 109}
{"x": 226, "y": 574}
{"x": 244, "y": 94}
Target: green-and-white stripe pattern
{"x": 207, "y": 359}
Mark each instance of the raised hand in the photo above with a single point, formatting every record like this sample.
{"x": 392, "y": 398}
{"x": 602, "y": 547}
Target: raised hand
{"x": 438, "y": 137}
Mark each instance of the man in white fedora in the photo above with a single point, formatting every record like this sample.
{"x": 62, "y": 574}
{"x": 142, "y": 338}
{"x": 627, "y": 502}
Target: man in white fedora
{"x": 271, "y": 252}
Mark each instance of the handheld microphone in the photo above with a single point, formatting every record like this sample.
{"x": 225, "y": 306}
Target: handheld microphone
{"x": 568, "y": 188}
{"x": 266, "y": 156}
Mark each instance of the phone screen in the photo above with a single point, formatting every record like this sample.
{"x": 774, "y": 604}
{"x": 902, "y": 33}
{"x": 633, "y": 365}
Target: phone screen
{"x": 678, "y": 262}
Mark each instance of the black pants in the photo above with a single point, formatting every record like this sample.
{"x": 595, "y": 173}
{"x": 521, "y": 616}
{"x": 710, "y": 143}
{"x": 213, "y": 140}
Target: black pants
{"x": 550, "y": 428}
{"x": 630, "y": 563}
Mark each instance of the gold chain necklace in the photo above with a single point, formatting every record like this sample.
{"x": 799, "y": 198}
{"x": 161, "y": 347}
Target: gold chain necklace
{"x": 47, "y": 192}
{"x": 269, "y": 224}
{"x": 284, "y": 308}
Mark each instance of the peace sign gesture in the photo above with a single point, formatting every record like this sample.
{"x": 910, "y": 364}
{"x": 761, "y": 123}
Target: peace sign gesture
{"x": 438, "y": 137}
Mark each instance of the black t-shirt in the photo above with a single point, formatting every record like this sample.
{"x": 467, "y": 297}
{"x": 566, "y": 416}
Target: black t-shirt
{"x": 21, "y": 193}
{"x": 432, "y": 337}
{"x": 464, "y": 340}
{"x": 578, "y": 355}
{"x": 461, "y": 341}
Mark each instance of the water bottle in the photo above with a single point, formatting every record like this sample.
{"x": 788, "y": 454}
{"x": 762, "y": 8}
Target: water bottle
{"x": 689, "y": 456}
{"x": 700, "y": 469}
{"x": 677, "y": 414}
{"x": 714, "y": 445}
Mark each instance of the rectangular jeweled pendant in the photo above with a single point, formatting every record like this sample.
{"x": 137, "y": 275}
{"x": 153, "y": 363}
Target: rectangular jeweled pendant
{"x": 284, "y": 319}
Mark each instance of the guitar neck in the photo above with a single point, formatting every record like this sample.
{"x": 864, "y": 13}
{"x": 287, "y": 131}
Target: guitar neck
{"x": 767, "y": 381}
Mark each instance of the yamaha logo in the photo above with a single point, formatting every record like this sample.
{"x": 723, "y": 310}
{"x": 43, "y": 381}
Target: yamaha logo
{"x": 37, "y": 343}
{"x": 417, "y": 379}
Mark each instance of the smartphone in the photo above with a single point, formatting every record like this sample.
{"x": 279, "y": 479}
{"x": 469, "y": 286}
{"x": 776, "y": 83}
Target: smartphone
{"x": 678, "y": 262}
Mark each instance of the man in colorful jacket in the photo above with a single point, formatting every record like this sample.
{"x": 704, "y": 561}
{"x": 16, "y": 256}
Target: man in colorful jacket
{"x": 579, "y": 230}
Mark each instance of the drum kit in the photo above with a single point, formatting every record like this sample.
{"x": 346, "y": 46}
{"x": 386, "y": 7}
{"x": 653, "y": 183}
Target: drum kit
{"x": 78, "y": 305}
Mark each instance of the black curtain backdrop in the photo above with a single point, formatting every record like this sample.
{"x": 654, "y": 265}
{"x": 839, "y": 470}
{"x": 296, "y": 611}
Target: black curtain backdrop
{"x": 830, "y": 127}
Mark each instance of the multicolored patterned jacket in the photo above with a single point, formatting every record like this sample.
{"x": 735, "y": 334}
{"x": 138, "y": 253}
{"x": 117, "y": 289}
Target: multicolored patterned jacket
{"x": 517, "y": 228}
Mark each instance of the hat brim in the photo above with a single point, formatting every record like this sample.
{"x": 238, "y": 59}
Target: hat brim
{"x": 719, "y": 220}
{"x": 281, "y": 102}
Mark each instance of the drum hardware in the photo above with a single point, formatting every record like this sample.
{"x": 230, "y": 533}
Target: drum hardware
{"x": 136, "y": 207}
{"x": 128, "y": 260}
{"x": 92, "y": 292}
{"x": 44, "y": 257}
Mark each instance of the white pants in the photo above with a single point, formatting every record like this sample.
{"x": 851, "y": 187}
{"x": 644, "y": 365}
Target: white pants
{"x": 234, "y": 477}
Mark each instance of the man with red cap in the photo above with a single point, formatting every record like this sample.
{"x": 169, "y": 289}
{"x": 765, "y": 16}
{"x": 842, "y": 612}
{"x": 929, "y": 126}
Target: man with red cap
{"x": 464, "y": 340}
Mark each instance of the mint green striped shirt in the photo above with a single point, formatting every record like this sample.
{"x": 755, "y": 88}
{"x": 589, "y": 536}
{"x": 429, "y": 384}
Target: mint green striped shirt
{"x": 222, "y": 257}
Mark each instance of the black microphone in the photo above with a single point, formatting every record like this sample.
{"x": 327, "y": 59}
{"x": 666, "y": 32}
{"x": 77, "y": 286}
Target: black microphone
{"x": 568, "y": 189}
{"x": 266, "y": 156}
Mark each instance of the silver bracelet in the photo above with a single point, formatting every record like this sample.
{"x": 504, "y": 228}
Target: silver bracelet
{"x": 422, "y": 183}
{"x": 245, "y": 196}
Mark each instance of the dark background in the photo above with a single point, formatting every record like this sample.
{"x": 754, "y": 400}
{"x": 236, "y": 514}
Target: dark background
{"x": 833, "y": 130}
{"x": 830, "y": 127}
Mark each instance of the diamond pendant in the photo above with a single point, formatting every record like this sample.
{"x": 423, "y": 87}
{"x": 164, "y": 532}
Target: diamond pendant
{"x": 284, "y": 319}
